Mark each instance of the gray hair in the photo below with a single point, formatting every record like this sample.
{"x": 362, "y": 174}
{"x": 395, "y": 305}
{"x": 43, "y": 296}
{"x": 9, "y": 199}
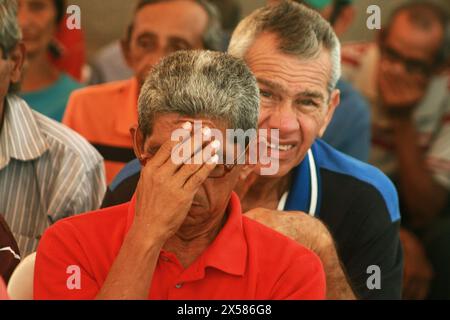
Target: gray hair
{"x": 213, "y": 35}
{"x": 207, "y": 84}
{"x": 10, "y": 34}
{"x": 301, "y": 32}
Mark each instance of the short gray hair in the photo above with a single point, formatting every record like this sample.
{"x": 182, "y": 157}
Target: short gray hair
{"x": 208, "y": 84}
{"x": 301, "y": 32}
{"x": 10, "y": 34}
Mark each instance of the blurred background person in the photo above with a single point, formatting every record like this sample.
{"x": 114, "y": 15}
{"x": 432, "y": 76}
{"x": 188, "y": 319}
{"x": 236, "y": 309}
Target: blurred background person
{"x": 401, "y": 75}
{"x": 44, "y": 87}
{"x": 68, "y": 50}
{"x": 349, "y": 130}
{"x": 104, "y": 114}
{"x": 109, "y": 64}
{"x": 47, "y": 171}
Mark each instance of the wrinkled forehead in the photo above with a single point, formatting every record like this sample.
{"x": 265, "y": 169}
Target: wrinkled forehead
{"x": 166, "y": 124}
{"x": 418, "y": 41}
{"x": 290, "y": 72}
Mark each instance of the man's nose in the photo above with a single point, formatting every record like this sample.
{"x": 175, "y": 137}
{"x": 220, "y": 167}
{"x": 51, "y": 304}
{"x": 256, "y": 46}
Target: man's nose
{"x": 285, "y": 119}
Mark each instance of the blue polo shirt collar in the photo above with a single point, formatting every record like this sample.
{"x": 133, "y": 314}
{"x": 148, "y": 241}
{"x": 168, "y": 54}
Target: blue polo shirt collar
{"x": 305, "y": 191}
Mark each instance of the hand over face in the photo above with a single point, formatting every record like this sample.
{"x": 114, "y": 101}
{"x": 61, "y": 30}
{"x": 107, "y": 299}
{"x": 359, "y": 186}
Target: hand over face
{"x": 166, "y": 189}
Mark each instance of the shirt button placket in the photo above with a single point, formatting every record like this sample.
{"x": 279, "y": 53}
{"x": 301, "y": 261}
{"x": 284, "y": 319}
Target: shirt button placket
{"x": 179, "y": 285}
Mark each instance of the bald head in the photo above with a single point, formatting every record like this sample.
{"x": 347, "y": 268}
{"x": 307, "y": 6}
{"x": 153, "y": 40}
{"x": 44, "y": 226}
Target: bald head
{"x": 421, "y": 28}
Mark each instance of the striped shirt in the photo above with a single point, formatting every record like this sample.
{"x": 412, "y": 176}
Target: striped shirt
{"x": 47, "y": 172}
{"x": 431, "y": 115}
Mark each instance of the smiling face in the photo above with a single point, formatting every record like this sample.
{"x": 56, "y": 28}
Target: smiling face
{"x": 163, "y": 28}
{"x": 294, "y": 98}
{"x": 409, "y": 49}
{"x": 212, "y": 198}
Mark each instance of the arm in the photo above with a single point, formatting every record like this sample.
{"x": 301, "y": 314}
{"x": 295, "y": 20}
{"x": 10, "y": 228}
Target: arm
{"x": 400, "y": 94}
{"x": 424, "y": 198}
{"x": 163, "y": 198}
{"x": 318, "y": 239}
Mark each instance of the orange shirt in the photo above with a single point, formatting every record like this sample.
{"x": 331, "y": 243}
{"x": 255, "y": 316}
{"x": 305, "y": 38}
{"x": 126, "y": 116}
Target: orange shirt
{"x": 103, "y": 114}
{"x": 246, "y": 261}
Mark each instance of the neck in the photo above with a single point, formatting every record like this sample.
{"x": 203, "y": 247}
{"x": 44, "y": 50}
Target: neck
{"x": 262, "y": 192}
{"x": 191, "y": 240}
{"x": 39, "y": 73}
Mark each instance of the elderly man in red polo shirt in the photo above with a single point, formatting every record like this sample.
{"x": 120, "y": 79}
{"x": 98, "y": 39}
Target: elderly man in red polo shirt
{"x": 183, "y": 236}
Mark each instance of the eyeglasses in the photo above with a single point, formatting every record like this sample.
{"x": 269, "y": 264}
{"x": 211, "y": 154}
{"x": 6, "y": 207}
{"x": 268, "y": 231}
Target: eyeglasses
{"x": 220, "y": 171}
{"x": 411, "y": 65}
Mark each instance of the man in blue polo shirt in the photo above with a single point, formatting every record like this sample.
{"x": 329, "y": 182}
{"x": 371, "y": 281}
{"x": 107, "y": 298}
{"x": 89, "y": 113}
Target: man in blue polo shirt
{"x": 355, "y": 201}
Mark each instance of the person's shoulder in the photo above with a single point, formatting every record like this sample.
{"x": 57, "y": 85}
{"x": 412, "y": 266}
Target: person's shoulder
{"x": 66, "y": 81}
{"x": 349, "y": 169}
{"x": 352, "y": 100}
{"x": 67, "y": 142}
{"x": 130, "y": 170}
{"x": 91, "y": 226}
{"x": 104, "y": 92}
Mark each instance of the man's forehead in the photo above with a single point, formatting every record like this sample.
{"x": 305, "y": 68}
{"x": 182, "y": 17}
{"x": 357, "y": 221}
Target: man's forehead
{"x": 181, "y": 18}
{"x": 414, "y": 41}
{"x": 272, "y": 67}
{"x": 164, "y": 124}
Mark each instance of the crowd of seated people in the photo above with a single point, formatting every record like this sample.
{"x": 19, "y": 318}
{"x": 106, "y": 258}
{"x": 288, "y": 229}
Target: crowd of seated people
{"x": 361, "y": 153}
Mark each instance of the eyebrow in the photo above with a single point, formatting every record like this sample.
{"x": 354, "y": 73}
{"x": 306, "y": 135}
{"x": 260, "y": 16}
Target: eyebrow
{"x": 278, "y": 87}
{"x": 171, "y": 39}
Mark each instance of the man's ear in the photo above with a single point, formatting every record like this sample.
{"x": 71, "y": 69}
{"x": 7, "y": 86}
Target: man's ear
{"x": 17, "y": 56}
{"x": 125, "y": 47}
{"x": 138, "y": 141}
{"x": 335, "y": 99}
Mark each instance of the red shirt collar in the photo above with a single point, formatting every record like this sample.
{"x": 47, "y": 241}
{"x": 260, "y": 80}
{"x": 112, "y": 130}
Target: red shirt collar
{"x": 228, "y": 252}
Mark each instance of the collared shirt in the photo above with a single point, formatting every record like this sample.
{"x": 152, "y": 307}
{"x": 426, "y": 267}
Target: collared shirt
{"x": 357, "y": 202}
{"x": 245, "y": 261}
{"x": 47, "y": 172}
{"x": 431, "y": 115}
{"x": 104, "y": 114}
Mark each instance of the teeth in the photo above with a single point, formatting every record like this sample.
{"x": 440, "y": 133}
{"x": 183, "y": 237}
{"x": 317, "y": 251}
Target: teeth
{"x": 281, "y": 147}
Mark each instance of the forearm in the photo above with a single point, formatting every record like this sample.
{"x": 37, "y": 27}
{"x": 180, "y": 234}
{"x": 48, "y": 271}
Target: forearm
{"x": 338, "y": 286}
{"x": 131, "y": 274}
{"x": 423, "y": 197}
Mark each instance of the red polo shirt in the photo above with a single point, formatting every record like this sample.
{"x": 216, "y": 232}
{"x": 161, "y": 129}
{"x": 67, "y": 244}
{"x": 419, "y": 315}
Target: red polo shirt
{"x": 246, "y": 261}
{"x": 3, "y": 293}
